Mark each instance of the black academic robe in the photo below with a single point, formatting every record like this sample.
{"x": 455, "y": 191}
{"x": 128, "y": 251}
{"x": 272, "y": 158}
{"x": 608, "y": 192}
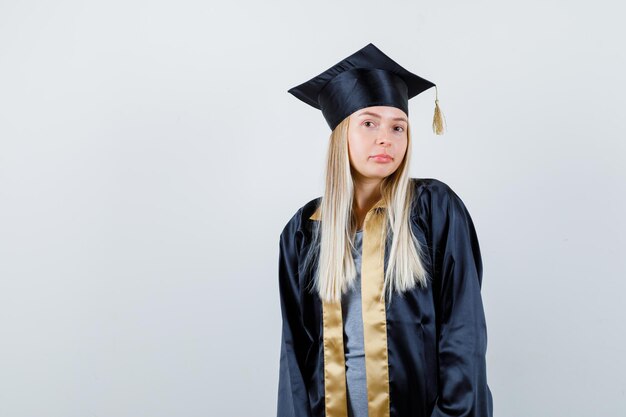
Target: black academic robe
{"x": 436, "y": 337}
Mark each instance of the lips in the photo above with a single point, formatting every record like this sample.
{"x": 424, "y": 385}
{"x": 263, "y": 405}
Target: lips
{"x": 382, "y": 158}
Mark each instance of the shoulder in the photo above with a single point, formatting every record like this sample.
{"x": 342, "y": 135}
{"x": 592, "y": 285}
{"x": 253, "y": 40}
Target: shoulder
{"x": 434, "y": 199}
{"x": 300, "y": 219}
{"x": 430, "y": 186}
{"x": 431, "y": 196}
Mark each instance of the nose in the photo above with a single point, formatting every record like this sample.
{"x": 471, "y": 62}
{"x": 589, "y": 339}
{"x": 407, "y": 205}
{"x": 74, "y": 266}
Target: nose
{"x": 382, "y": 139}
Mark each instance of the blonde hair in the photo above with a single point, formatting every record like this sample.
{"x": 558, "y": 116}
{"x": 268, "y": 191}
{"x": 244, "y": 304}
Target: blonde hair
{"x": 333, "y": 236}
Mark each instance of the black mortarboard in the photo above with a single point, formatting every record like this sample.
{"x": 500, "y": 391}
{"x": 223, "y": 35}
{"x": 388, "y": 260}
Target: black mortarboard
{"x": 366, "y": 78}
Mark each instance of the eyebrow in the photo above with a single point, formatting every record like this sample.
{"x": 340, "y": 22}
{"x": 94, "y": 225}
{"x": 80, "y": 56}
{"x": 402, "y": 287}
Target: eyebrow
{"x": 368, "y": 113}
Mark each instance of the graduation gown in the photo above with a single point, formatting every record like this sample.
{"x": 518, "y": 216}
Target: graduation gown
{"x": 425, "y": 351}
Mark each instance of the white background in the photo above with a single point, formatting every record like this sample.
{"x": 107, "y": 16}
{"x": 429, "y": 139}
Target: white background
{"x": 150, "y": 156}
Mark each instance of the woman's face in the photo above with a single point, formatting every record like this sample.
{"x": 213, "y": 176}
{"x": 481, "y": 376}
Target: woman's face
{"x": 377, "y": 141}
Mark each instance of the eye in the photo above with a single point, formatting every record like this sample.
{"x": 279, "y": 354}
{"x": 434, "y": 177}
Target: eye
{"x": 401, "y": 129}
{"x": 366, "y": 123}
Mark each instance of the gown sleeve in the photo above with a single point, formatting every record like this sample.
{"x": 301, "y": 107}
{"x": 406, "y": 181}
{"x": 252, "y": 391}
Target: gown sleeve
{"x": 462, "y": 336}
{"x": 293, "y": 398}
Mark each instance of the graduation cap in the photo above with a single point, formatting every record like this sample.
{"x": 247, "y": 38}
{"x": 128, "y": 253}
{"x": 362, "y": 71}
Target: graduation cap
{"x": 366, "y": 78}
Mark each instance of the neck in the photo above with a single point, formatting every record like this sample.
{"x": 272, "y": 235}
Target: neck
{"x": 366, "y": 194}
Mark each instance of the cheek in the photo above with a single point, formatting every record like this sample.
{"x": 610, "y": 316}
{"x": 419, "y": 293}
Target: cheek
{"x": 402, "y": 146}
{"x": 350, "y": 148}
{"x": 401, "y": 151}
{"x": 357, "y": 146}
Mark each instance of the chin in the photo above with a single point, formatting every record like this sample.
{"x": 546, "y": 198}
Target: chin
{"x": 380, "y": 174}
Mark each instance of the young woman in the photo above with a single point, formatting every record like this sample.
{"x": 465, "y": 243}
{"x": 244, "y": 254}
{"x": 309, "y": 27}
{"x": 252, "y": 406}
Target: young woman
{"x": 380, "y": 278}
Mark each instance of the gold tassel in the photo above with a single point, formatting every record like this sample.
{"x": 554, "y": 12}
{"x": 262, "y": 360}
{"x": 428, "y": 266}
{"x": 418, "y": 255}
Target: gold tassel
{"x": 438, "y": 118}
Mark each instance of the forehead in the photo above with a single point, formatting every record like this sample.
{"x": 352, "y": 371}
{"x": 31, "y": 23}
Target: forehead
{"x": 385, "y": 112}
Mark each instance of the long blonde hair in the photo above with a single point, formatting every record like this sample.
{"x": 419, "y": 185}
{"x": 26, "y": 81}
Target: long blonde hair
{"x": 333, "y": 236}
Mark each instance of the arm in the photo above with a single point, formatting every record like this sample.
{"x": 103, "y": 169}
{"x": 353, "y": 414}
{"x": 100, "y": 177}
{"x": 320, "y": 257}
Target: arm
{"x": 293, "y": 397}
{"x": 462, "y": 338}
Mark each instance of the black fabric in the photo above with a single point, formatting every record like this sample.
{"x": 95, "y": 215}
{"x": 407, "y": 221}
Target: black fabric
{"x": 436, "y": 336}
{"x": 366, "y": 78}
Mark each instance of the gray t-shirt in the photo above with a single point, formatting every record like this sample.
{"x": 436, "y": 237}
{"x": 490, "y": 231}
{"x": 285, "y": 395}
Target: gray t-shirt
{"x": 353, "y": 340}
